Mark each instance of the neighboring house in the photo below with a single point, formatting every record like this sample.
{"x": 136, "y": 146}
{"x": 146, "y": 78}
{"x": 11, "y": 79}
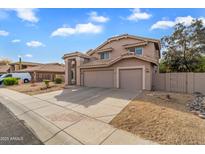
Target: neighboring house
{"x": 123, "y": 61}
{"x": 48, "y": 71}
{"x": 21, "y": 65}
{"x": 4, "y": 69}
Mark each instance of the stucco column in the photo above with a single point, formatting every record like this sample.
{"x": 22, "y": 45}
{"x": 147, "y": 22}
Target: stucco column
{"x": 67, "y": 72}
{"x": 79, "y": 61}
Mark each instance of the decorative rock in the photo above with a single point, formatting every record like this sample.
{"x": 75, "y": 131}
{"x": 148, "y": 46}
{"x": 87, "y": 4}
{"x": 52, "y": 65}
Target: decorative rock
{"x": 197, "y": 106}
{"x": 201, "y": 116}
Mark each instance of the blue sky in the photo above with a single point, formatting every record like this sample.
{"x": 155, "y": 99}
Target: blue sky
{"x": 44, "y": 35}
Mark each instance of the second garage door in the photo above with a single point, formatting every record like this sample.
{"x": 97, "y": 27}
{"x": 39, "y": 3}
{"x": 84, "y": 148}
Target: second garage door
{"x": 130, "y": 79}
{"x": 103, "y": 79}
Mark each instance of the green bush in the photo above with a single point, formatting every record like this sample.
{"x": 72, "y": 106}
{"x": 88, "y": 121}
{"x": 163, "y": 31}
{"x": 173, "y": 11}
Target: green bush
{"x": 47, "y": 83}
{"x": 58, "y": 80}
{"x": 10, "y": 81}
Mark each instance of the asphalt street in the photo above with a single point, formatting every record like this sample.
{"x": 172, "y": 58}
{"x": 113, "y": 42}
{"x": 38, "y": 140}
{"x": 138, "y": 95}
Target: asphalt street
{"x": 13, "y": 131}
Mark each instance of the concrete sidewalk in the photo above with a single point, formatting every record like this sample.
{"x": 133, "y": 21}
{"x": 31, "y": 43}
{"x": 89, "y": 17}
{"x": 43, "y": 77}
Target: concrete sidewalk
{"x": 13, "y": 131}
{"x": 54, "y": 124}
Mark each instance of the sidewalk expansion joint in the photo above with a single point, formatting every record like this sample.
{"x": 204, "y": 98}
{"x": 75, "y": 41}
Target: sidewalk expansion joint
{"x": 72, "y": 110}
{"x": 62, "y": 130}
{"x": 107, "y": 136}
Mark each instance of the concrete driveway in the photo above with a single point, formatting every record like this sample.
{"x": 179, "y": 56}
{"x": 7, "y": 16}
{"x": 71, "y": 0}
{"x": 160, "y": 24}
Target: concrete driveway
{"x": 73, "y": 116}
{"x": 99, "y": 103}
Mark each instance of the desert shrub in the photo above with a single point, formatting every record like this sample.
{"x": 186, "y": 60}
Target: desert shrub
{"x": 10, "y": 81}
{"x": 47, "y": 83}
{"x": 58, "y": 80}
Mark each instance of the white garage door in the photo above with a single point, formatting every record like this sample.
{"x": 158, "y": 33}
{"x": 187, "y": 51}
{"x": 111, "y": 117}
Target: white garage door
{"x": 103, "y": 79}
{"x": 130, "y": 79}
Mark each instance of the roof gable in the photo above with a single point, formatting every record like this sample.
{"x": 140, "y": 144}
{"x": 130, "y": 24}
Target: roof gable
{"x": 124, "y": 36}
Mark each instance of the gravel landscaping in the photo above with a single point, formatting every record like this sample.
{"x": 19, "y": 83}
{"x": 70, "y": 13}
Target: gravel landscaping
{"x": 197, "y": 106}
{"x": 164, "y": 118}
{"x": 36, "y": 88}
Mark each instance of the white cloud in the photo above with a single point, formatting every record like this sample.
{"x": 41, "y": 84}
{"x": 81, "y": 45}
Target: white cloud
{"x": 138, "y": 15}
{"x": 26, "y": 14}
{"x": 35, "y": 44}
{"x": 164, "y": 24}
{"x": 28, "y": 55}
{"x": 96, "y": 18}
{"x": 78, "y": 29}
{"x": 4, "y": 33}
{"x": 16, "y": 41}
{"x": 186, "y": 20}
{"x": 64, "y": 31}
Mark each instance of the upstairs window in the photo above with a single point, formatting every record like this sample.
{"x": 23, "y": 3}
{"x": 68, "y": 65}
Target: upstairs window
{"x": 138, "y": 51}
{"x": 104, "y": 55}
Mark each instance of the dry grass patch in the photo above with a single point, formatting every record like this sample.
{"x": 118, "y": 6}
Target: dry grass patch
{"x": 36, "y": 88}
{"x": 166, "y": 121}
{"x": 177, "y": 101}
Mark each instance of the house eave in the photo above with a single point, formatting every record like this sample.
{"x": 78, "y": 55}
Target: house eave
{"x": 105, "y": 50}
{"x": 135, "y": 45}
{"x": 75, "y": 54}
{"x": 118, "y": 59}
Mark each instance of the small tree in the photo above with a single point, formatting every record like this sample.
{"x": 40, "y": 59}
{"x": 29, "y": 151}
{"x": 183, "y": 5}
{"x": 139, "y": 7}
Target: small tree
{"x": 4, "y": 61}
{"x": 163, "y": 67}
{"x": 201, "y": 65}
{"x": 47, "y": 83}
{"x": 185, "y": 47}
{"x": 58, "y": 80}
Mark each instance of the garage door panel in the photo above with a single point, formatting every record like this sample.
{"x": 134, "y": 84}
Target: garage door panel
{"x": 130, "y": 79}
{"x": 89, "y": 79}
{"x": 103, "y": 79}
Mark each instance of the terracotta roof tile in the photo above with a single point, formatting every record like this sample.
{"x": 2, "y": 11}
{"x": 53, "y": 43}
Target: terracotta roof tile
{"x": 73, "y": 54}
{"x": 4, "y": 68}
{"x": 105, "y": 63}
{"x": 25, "y": 63}
{"x": 52, "y": 67}
{"x": 97, "y": 62}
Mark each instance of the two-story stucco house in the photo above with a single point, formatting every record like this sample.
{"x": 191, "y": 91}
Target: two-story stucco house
{"x": 123, "y": 61}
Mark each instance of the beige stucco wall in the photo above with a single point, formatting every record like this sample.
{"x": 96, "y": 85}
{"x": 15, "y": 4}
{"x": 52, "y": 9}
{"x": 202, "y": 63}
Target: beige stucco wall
{"x": 149, "y": 51}
{"x": 131, "y": 62}
{"x": 118, "y": 48}
{"x": 67, "y": 67}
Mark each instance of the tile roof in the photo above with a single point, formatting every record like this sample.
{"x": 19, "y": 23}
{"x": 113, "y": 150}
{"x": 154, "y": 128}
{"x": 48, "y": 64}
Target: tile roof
{"x": 97, "y": 62}
{"x": 25, "y": 63}
{"x": 74, "y": 54}
{"x": 4, "y": 68}
{"x": 141, "y": 43}
{"x": 134, "y": 36}
{"x": 50, "y": 67}
{"x": 125, "y": 36}
{"x": 106, "y": 63}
